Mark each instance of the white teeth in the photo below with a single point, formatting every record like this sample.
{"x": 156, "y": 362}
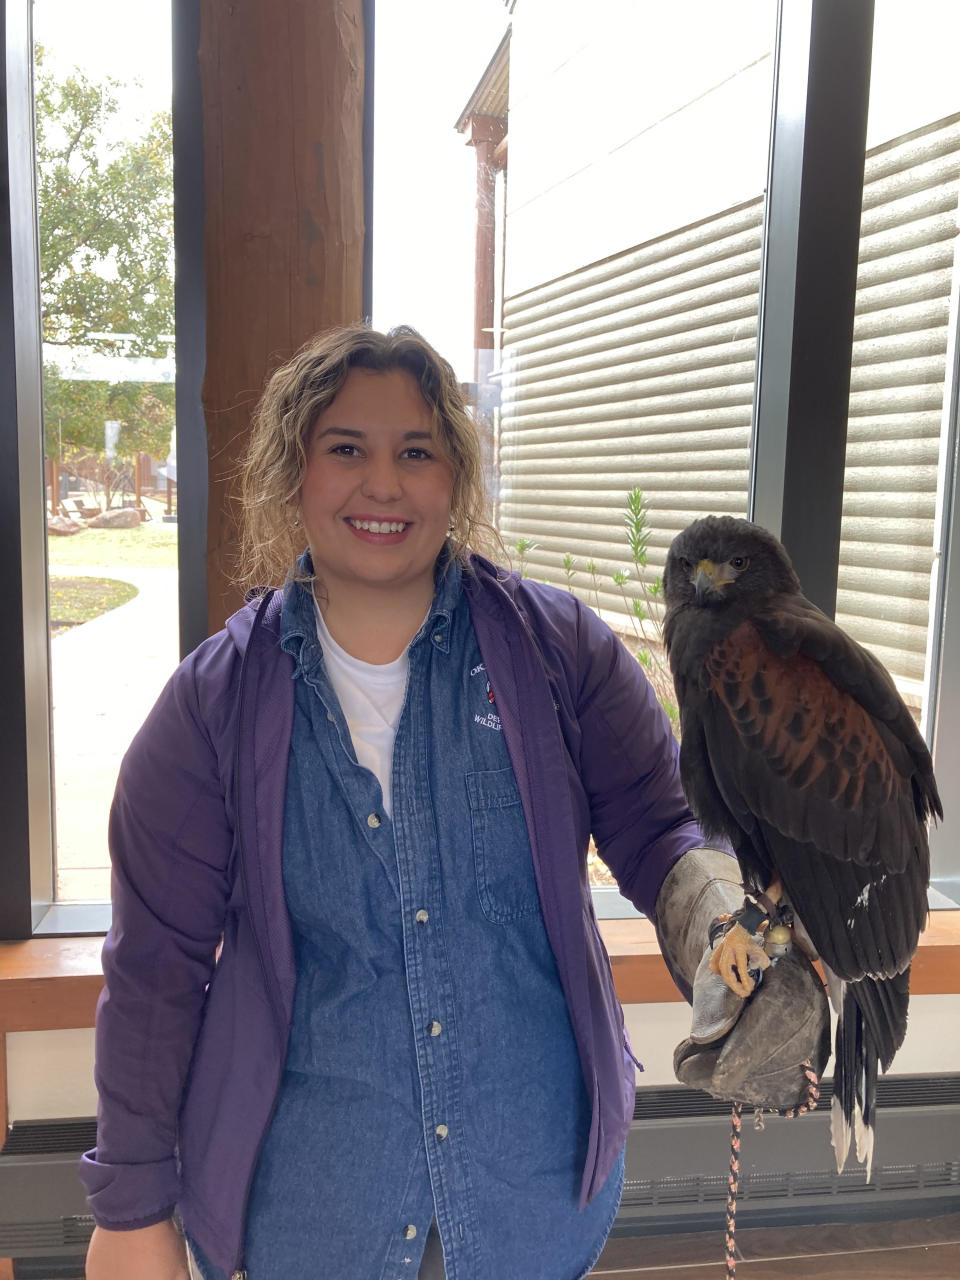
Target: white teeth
{"x": 380, "y": 526}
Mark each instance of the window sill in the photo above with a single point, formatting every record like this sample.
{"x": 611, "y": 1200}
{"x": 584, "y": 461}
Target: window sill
{"x": 641, "y": 977}
{"x": 51, "y": 984}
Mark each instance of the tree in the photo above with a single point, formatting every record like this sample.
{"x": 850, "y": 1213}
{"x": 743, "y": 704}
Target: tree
{"x": 106, "y": 261}
{"x": 75, "y": 409}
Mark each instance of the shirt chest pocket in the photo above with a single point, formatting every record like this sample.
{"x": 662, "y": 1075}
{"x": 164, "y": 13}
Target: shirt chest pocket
{"x": 506, "y": 884}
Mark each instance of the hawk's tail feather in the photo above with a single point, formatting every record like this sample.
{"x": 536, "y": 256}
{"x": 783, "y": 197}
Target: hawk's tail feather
{"x": 871, "y": 1023}
{"x": 845, "y": 1072}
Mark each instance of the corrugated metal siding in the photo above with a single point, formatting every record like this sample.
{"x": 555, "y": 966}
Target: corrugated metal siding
{"x": 907, "y": 241}
{"x": 638, "y": 371}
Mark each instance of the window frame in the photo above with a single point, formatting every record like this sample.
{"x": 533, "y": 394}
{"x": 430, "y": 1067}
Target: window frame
{"x": 26, "y": 794}
{"x": 27, "y": 856}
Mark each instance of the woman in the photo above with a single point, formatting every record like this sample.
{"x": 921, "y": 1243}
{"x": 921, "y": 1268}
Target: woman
{"x": 357, "y": 1007}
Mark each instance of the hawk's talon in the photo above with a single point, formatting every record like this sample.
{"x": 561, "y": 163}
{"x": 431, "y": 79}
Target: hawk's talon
{"x": 734, "y": 955}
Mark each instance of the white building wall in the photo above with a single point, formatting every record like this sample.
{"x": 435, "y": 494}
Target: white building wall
{"x": 628, "y": 120}
{"x": 932, "y": 1044}
{"x": 50, "y": 1073}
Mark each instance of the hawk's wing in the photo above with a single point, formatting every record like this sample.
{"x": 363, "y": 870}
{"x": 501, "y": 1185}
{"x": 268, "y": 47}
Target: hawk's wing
{"x": 820, "y": 763}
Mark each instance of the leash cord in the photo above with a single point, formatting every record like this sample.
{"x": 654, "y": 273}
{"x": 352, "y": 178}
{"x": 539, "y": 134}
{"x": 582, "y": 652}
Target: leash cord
{"x": 809, "y": 1103}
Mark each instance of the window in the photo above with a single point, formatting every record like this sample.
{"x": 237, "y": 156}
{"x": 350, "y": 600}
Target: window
{"x": 570, "y": 204}
{"x": 105, "y": 209}
{"x": 87, "y": 303}
{"x": 900, "y": 478}
{"x": 620, "y": 162}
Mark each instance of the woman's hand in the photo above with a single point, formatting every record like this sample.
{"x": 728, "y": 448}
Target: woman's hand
{"x": 148, "y": 1253}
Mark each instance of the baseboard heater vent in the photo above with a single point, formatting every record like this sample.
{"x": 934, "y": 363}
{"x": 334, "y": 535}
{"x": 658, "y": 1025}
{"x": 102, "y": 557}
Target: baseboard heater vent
{"x": 48, "y": 1269}
{"x": 48, "y": 1137}
{"x": 676, "y": 1175}
{"x": 44, "y": 1222}
{"x": 660, "y": 1102}
{"x": 69, "y": 1234}
{"x": 678, "y": 1152}
{"x": 712, "y": 1188}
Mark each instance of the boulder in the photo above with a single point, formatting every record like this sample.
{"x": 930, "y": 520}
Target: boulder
{"x": 61, "y": 525}
{"x": 120, "y": 518}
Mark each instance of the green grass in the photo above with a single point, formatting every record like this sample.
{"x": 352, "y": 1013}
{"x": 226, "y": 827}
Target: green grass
{"x": 76, "y": 600}
{"x": 151, "y": 546}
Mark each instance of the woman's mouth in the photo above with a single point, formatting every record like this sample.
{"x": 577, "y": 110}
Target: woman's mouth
{"x": 379, "y": 532}
{"x": 378, "y": 526}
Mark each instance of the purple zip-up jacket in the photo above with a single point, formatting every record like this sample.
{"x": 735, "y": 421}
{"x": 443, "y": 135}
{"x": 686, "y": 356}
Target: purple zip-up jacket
{"x": 191, "y": 1044}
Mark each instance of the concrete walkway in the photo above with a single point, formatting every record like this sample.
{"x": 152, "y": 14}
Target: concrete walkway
{"x": 106, "y": 675}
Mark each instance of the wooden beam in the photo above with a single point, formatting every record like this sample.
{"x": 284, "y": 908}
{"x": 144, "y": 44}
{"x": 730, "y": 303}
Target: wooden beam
{"x": 487, "y": 134}
{"x": 49, "y": 984}
{"x": 282, "y": 89}
{"x": 487, "y": 129}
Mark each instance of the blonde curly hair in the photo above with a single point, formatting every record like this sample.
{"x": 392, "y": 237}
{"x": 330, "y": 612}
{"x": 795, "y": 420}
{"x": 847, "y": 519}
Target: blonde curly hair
{"x": 271, "y": 471}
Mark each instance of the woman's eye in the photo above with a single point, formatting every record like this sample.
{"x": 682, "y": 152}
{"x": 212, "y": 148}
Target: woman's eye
{"x": 739, "y": 563}
{"x": 416, "y": 454}
{"x": 345, "y": 450}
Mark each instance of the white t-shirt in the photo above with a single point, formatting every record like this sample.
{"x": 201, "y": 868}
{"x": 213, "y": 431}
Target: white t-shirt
{"x": 371, "y": 698}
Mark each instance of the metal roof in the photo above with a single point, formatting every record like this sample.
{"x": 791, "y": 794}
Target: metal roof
{"x": 491, "y": 97}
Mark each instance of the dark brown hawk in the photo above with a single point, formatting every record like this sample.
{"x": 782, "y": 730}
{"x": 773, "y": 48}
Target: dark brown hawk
{"x": 797, "y": 748}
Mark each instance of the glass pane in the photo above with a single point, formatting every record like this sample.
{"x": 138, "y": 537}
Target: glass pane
{"x": 597, "y": 235}
{"x": 105, "y": 194}
{"x": 906, "y": 307}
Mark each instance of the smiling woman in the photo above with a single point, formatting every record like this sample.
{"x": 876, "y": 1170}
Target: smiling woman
{"x": 287, "y": 418}
{"x": 375, "y": 503}
{"x": 406, "y": 736}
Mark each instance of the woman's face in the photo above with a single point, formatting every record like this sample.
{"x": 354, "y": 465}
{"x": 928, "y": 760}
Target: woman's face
{"x": 376, "y": 491}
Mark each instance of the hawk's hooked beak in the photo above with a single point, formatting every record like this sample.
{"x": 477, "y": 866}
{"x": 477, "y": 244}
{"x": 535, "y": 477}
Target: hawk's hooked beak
{"x": 709, "y": 579}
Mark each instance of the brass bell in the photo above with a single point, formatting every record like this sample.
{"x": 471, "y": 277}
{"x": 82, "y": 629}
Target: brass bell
{"x": 778, "y": 940}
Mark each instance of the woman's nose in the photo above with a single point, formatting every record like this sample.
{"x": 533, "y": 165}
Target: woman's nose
{"x": 381, "y": 479}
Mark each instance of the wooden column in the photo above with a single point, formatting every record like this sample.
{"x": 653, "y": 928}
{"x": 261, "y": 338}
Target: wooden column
{"x": 282, "y": 88}
{"x": 486, "y": 134}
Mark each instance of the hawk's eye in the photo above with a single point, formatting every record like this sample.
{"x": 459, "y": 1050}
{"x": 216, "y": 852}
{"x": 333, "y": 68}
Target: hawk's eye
{"x": 685, "y": 565}
{"x": 739, "y": 563}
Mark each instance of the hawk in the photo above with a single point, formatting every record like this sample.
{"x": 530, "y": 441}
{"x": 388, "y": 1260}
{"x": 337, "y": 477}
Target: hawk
{"x": 797, "y": 748}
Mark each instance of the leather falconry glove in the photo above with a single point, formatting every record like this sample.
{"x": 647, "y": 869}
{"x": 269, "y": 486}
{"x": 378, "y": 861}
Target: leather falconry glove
{"x": 742, "y": 1050}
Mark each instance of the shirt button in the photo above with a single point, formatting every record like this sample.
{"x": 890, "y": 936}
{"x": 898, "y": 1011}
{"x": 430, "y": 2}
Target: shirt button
{"x": 373, "y": 819}
{"x": 422, "y": 916}
{"x": 434, "y": 1028}
{"x": 441, "y": 1131}
{"x": 438, "y": 637}
{"x": 409, "y": 1232}
{"x": 330, "y": 716}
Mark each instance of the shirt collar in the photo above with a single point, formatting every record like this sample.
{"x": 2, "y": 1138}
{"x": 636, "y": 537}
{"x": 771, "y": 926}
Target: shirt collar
{"x": 298, "y": 624}
{"x": 447, "y": 576}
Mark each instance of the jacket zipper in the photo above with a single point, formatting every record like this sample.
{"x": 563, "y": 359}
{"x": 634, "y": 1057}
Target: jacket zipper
{"x": 239, "y": 1272}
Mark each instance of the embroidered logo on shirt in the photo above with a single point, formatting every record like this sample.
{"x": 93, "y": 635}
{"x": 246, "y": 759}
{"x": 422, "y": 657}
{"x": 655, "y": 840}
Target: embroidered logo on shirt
{"x": 490, "y": 719}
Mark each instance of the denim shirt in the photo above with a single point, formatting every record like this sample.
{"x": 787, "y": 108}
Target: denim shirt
{"x": 432, "y": 1069}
